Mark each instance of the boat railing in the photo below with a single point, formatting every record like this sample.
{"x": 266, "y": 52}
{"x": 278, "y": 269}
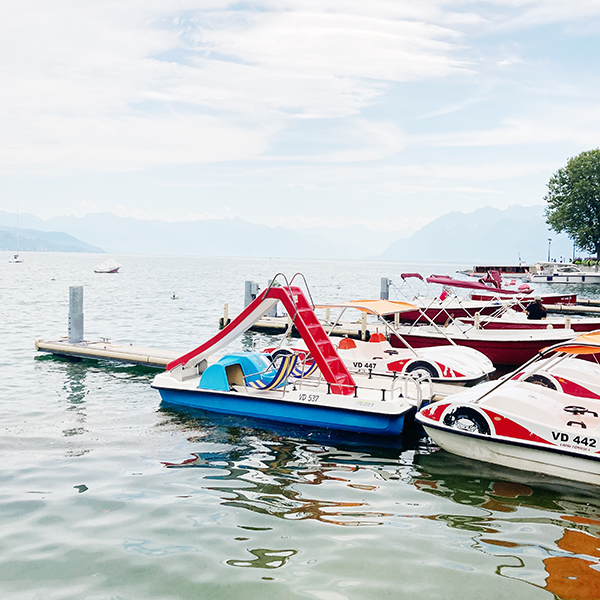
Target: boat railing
{"x": 410, "y": 385}
{"x": 288, "y": 284}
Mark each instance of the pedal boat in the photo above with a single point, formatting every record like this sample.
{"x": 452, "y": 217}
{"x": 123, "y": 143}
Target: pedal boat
{"x": 310, "y": 388}
{"x": 447, "y": 366}
{"x": 544, "y": 417}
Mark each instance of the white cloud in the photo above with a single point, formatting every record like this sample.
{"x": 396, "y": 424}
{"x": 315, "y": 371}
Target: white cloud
{"x": 575, "y": 125}
{"x": 121, "y": 86}
{"x": 532, "y": 13}
{"x": 328, "y": 102}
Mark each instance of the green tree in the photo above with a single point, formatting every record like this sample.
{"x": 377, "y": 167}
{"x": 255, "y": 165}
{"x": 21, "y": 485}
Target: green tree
{"x": 574, "y": 201}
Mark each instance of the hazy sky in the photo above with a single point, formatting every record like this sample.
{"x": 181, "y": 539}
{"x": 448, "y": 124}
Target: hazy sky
{"x": 293, "y": 112}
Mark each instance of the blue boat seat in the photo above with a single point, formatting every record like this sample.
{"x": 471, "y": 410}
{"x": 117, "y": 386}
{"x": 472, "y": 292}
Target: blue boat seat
{"x": 278, "y": 375}
{"x": 302, "y": 370}
{"x": 233, "y": 369}
{"x": 254, "y": 369}
{"x": 305, "y": 365}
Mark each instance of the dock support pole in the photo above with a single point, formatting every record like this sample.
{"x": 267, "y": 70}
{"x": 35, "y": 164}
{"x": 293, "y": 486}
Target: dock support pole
{"x": 250, "y": 292}
{"x": 224, "y": 320}
{"x": 75, "y": 314}
{"x": 385, "y": 289}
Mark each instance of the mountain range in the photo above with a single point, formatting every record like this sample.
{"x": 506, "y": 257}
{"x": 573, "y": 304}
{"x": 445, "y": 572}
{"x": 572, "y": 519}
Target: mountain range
{"x": 484, "y": 235}
{"x": 31, "y": 240}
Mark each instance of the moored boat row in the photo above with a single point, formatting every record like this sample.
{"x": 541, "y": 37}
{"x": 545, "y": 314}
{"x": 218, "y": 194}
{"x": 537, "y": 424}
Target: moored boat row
{"x": 543, "y": 417}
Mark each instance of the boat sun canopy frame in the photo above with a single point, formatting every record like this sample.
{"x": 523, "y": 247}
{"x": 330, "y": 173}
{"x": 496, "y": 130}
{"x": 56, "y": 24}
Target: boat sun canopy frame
{"x": 379, "y": 308}
{"x": 586, "y": 343}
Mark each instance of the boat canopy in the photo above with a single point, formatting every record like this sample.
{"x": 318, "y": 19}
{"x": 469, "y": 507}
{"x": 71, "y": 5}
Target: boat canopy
{"x": 586, "y": 343}
{"x": 375, "y": 307}
{"x": 471, "y": 285}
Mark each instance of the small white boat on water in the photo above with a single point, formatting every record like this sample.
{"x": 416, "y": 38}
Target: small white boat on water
{"x": 563, "y": 273}
{"x": 108, "y": 266}
{"x": 544, "y": 418}
{"x": 15, "y": 258}
{"x": 311, "y": 387}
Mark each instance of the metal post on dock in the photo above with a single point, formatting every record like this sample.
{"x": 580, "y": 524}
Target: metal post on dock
{"x": 385, "y": 289}
{"x": 75, "y": 314}
{"x": 273, "y": 311}
{"x": 250, "y": 292}
{"x": 225, "y": 320}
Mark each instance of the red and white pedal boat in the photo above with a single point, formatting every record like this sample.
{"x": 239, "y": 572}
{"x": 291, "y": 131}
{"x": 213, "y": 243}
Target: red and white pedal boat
{"x": 544, "y": 418}
{"x": 450, "y": 365}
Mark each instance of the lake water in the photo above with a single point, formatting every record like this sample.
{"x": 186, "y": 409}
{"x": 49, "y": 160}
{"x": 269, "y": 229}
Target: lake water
{"x": 106, "y": 495}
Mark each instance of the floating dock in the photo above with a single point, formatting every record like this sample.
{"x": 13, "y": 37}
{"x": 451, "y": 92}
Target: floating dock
{"x": 279, "y": 325}
{"x": 105, "y": 350}
{"x": 590, "y": 307}
{"x": 74, "y": 346}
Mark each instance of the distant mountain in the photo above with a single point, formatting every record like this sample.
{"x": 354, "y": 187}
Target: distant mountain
{"x": 485, "y": 235}
{"x": 210, "y": 237}
{"x": 31, "y": 240}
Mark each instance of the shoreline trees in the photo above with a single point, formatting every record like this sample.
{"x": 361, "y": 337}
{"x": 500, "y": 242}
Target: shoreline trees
{"x": 574, "y": 201}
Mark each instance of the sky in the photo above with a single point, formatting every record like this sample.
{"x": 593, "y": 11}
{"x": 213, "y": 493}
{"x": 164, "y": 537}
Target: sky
{"x": 295, "y": 113}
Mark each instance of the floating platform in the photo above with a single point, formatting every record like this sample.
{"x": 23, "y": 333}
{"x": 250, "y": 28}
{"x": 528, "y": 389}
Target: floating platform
{"x": 105, "y": 350}
{"x": 279, "y": 325}
{"x": 575, "y": 309}
{"x": 587, "y": 302}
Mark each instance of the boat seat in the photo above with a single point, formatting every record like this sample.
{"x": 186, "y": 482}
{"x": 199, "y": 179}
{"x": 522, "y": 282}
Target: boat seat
{"x": 276, "y": 376}
{"x": 377, "y": 337}
{"x": 302, "y": 370}
{"x": 346, "y": 344}
{"x": 234, "y": 369}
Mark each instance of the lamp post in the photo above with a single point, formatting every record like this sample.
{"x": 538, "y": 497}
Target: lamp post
{"x": 549, "y": 244}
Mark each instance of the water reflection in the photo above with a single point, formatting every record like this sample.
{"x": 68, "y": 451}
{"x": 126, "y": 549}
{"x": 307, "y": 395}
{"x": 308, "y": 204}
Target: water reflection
{"x": 567, "y": 566}
{"x": 536, "y": 529}
{"x": 75, "y": 379}
{"x": 270, "y": 473}
{"x": 265, "y": 559}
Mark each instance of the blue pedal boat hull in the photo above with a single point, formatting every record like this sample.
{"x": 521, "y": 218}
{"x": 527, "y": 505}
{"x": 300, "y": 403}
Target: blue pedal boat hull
{"x": 272, "y": 409}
